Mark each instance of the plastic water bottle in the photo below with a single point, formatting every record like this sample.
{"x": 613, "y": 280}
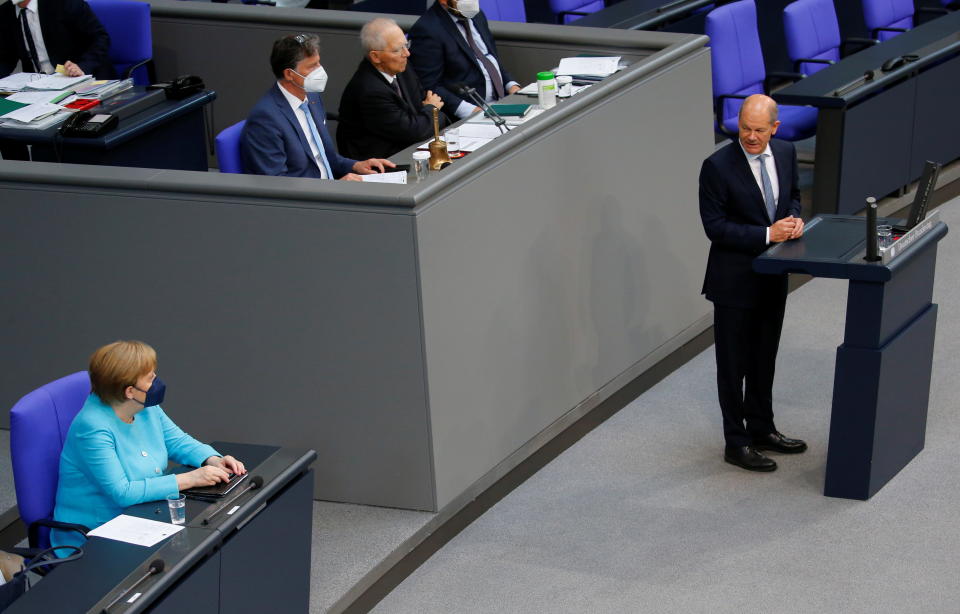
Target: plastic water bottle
{"x": 547, "y": 89}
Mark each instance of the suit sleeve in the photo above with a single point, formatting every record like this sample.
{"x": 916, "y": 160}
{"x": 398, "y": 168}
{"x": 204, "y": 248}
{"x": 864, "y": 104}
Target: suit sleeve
{"x": 94, "y": 39}
{"x": 8, "y": 40}
{"x": 386, "y": 119}
{"x": 428, "y": 58}
{"x": 181, "y": 447}
{"x": 261, "y": 147}
{"x": 103, "y": 466}
{"x": 719, "y": 222}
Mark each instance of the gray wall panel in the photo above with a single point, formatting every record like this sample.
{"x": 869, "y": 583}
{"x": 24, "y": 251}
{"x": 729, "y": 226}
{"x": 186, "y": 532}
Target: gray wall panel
{"x": 540, "y": 286}
{"x": 294, "y": 326}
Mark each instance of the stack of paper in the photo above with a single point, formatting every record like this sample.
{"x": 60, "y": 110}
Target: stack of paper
{"x": 589, "y": 66}
{"x": 56, "y": 82}
{"x": 388, "y": 177}
{"x": 17, "y": 81}
{"x": 101, "y": 90}
{"x": 31, "y": 112}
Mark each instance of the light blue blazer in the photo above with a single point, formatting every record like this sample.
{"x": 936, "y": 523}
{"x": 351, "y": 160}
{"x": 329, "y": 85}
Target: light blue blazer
{"x": 107, "y": 465}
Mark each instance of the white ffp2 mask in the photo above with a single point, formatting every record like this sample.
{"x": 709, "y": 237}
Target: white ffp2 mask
{"x": 316, "y": 81}
{"x": 468, "y": 8}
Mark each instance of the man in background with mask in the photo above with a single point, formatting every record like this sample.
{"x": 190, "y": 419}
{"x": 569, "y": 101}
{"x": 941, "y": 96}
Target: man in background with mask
{"x": 286, "y": 133}
{"x": 451, "y": 44}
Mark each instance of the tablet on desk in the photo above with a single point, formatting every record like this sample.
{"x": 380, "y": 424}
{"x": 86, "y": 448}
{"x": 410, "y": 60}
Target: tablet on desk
{"x": 217, "y": 490}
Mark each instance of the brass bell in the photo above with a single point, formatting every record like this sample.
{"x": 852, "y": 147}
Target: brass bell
{"x": 439, "y": 157}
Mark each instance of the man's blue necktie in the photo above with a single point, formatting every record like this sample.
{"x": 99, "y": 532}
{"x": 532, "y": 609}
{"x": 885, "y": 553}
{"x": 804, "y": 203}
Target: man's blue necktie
{"x": 305, "y": 107}
{"x": 767, "y": 188}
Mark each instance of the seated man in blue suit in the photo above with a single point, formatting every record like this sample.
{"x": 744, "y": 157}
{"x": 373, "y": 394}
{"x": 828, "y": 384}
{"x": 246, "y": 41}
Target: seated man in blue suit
{"x": 451, "y": 44}
{"x": 286, "y": 132}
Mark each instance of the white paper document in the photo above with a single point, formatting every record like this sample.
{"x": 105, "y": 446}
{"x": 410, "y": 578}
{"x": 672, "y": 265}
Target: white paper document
{"x": 394, "y": 177}
{"x": 485, "y": 130}
{"x": 17, "y": 81}
{"x": 33, "y": 97}
{"x": 32, "y": 111}
{"x": 133, "y": 530}
{"x": 56, "y": 82}
{"x": 596, "y": 67}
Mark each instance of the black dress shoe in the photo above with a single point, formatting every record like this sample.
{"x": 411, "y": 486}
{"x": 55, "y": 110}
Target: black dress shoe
{"x": 776, "y": 442}
{"x": 748, "y": 458}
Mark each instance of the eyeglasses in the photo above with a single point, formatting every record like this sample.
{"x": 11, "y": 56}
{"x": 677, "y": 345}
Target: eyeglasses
{"x": 399, "y": 49}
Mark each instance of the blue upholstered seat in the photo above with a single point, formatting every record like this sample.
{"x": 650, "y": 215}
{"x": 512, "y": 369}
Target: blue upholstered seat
{"x": 131, "y": 41}
{"x": 812, "y": 33}
{"x": 567, "y": 11}
{"x": 227, "y": 145}
{"x": 739, "y": 71}
{"x": 504, "y": 10}
{"x": 887, "y": 18}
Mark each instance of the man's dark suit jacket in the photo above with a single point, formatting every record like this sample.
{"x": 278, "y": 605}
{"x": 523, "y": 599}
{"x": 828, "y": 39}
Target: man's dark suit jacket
{"x": 272, "y": 142}
{"x": 735, "y": 219}
{"x": 375, "y": 122}
{"x": 441, "y": 55}
{"x": 71, "y": 31}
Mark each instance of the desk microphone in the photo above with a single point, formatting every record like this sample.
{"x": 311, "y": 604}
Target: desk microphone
{"x": 255, "y": 483}
{"x": 465, "y": 91}
{"x": 156, "y": 566}
{"x": 873, "y": 251}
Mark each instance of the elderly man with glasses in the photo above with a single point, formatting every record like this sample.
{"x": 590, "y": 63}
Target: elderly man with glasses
{"x": 384, "y": 108}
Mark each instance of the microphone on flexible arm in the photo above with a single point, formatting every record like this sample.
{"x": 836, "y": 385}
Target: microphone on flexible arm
{"x": 465, "y": 91}
{"x": 156, "y": 566}
{"x": 255, "y": 483}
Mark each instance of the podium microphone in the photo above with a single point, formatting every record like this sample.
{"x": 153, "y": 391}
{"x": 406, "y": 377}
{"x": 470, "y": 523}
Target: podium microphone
{"x": 873, "y": 250}
{"x": 255, "y": 483}
{"x": 465, "y": 91}
{"x": 156, "y": 566}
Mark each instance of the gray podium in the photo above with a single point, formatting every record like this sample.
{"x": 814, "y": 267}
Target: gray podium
{"x": 882, "y": 378}
{"x": 425, "y": 338}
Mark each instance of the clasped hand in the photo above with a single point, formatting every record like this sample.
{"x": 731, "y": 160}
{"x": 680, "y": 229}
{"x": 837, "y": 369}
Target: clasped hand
{"x": 785, "y": 229}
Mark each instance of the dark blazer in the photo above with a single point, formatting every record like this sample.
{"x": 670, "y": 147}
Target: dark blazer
{"x": 442, "y": 57}
{"x": 375, "y": 122}
{"x": 272, "y": 142}
{"x": 71, "y": 31}
{"x": 735, "y": 219}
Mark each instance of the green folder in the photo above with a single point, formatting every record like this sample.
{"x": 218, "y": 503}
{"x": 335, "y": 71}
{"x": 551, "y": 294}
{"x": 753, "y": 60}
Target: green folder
{"x": 511, "y": 110}
{"x": 7, "y": 105}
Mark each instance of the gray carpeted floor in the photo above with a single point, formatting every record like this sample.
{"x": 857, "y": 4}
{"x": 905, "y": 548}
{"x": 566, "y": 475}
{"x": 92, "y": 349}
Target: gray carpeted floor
{"x": 642, "y": 515}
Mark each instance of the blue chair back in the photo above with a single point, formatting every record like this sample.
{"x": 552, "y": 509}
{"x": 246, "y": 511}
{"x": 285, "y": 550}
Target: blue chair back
{"x": 227, "y": 145}
{"x": 812, "y": 32}
{"x": 567, "y": 11}
{"x": 738, "y": 67}
{"x": 38, "y": 428}
{"x": 504, "y": 10}
{"x": 879, "y": 14}
{"x": 131, "y": 41}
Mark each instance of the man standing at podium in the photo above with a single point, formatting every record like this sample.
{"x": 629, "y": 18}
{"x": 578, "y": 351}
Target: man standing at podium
{"x": 749, "y": 199}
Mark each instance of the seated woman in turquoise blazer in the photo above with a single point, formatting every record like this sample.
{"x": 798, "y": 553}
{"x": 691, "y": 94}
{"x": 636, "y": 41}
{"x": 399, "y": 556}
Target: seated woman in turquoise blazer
{"x": 118, "y": 446}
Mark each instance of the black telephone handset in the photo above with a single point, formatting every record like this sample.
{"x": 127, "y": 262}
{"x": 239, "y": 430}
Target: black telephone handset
{"x": 181, "y": 87}
{"x": 86, "y": 124}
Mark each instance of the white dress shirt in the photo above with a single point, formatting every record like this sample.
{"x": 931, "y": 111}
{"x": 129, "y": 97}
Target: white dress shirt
{"x": 466, "y": 108}
{"x": 305, "y": 127}
{"x": 753, "y": 160}
{"x": 33, "y": 20}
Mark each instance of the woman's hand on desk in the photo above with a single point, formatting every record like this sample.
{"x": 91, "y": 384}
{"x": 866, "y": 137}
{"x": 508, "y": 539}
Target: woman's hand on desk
{"x": 229, "y": 463}
{"x": 208, "y": 475}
